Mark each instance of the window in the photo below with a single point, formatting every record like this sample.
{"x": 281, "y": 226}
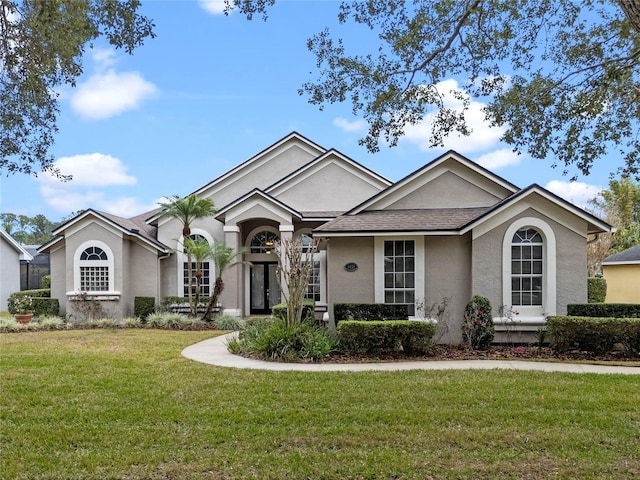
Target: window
{"x": 527, "y": 268}
{"x": 314, "y": 288}
{"x": 93, "y": 268}
{"x": 263, "y": 242}
{"x": 205, "y": 279}
{"x": 400, "y": 273}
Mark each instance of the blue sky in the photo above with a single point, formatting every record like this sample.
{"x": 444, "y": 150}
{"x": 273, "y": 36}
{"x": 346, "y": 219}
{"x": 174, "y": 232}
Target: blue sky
{"x": 211, "y": 91}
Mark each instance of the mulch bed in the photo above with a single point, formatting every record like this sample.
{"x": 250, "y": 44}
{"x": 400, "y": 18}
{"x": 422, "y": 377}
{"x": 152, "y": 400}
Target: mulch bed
{"x": 456, "y": 352}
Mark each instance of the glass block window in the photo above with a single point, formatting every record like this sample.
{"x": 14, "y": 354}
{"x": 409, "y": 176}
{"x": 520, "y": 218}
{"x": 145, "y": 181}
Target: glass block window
{"x": 527, "y": 268}
{"x": 400, "y": 273}
{"x": 263, "y": 242}
{"x": 94, "y": 270}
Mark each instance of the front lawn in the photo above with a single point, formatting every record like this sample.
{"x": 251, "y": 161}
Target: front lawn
{"x": 123, "y": 404}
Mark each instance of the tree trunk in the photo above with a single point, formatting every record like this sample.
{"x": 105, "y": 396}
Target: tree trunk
{"x": 217, "y": 290}
{"x": 631, "y": 9}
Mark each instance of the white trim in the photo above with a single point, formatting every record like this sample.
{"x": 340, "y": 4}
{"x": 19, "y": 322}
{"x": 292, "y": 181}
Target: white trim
{"x": 231, "y": 229}
{"x": 285, "y": 228}
{"x": 628, "y": 262}
{"x": 182, "y": 258}
{"x": 417, "y": 233}
{"x": 549, "y": 267}
{"x": 110, "y": 264}
{"x": 378, "y": 265}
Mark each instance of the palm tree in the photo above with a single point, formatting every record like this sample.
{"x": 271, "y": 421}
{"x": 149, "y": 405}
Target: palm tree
{"x": 223, "y": 257}
{"x": 186, "y": 210}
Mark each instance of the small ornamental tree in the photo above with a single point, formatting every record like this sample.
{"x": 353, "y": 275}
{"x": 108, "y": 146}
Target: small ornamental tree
{"x": 477, "y": 326}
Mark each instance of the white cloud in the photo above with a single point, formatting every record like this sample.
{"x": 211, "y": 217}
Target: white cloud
{"x": 103, "y": 57}
{"x": 347, "y": 126}
{"x": 497, "y": 159}
{"x": 91, "y": 170}
{"x": 213, "y": 6}
{"x": 99, "y": 181}
{"x": 110, "y": 93}
{"x": 578, "y": 193}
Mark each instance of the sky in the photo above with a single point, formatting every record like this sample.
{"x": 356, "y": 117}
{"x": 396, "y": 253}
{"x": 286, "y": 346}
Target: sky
{"x": 209, "y": 92}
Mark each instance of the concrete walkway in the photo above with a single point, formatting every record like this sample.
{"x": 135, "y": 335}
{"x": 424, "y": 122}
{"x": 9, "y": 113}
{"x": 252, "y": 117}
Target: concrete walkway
{"x": 214, "y": 352}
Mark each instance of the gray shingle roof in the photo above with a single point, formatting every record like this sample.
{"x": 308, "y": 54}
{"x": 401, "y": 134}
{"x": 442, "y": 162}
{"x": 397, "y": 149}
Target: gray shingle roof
{"x": 630, "y": 255}
{"x": 411, "y": 220}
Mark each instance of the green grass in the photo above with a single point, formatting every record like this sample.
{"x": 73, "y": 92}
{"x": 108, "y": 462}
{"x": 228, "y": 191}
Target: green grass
{"x": 123, "y": 404}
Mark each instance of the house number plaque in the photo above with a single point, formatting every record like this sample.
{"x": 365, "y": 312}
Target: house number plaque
{"x": 351, "y": 267}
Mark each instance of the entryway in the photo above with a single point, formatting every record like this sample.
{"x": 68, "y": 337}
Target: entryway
{"x": 265, "y": 291}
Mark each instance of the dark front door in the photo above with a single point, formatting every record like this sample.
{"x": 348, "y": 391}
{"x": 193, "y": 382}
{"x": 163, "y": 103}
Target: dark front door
{"x": 265, "y": 291}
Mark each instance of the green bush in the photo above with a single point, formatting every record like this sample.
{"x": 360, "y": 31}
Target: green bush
{"x": 143, "y": 307}
{"x": 593, "y": 334}
{"x": 477, "y": 325}
{"x": 596, "y": 289}
{"x": 46, "y": 282}
{"x": 42, "y": 304}
{"x": 608, "y": 310}
{"x": 228, "y": 322}
{"x": 381, "y": 337}
{"x": 308, "y": 311}
{"x": 367, "y": 312}
{"x": 273, "y": 339}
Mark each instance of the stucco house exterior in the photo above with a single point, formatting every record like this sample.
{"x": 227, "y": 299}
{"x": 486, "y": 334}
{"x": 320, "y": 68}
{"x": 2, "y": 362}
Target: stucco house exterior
{"x": 622, "y": 273}
{"x": 11, "y": 253}
{"x": 451, "y": 229}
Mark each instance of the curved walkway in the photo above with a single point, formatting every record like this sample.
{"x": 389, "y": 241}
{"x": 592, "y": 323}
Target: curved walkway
{"x": 214, "y": 352}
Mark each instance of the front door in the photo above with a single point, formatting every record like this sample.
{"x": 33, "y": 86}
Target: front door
{"x": 265, "y": 291}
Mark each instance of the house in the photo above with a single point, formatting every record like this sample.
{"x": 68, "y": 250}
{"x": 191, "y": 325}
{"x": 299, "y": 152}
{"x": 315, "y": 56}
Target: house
{"x": 451, "y": 229}
{"x": 11, "y": 255}
{"x": 622, "y": 273}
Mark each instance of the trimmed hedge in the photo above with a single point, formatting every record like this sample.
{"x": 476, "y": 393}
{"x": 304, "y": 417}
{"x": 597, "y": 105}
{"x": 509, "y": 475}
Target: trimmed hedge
{"x": 143, "y": 307}
{"x": 368, "y": 312}
{"x": 380, "y": 337}
{"x": 596, "y": 289}
{"x": 308, "y": 311}
{"x": 608, "y": 310}
{"x": 593, "y": 334}
{"x": 42, "y": 304}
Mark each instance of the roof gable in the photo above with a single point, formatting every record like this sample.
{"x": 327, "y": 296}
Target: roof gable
{"x": 13, "y": 243}
{"x": 467, "y": 184}
{"x": 246, "y": 206}
{"x": 630, "y": 256}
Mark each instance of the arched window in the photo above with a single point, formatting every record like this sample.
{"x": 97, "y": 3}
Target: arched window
{"x": 527, "y": 268}
{"x": 263, "y": 242}
{"x": 93, "y": 267}
{"x": 205, "y": 269}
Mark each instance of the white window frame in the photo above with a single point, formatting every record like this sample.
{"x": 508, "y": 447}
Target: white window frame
{"x": 531, "y": 316}
{"x": 419, "y": 256}
{"x": 109, "y": 263}
{"x": 182, "y": 259}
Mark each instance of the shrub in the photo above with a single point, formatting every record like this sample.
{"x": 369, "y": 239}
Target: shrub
{"x": 596, "y": 289}
{"x": 143, "y": 307}
{"x": 273, "y": 339}
{"x": 477, "y": 325}
{"x": 370, "y": 311}
{"x": 593, "y": 334}
{"x": 41, "y": 303}
{"x": 380, "y": 337}
{"x": 175, "y": 321}
{"x": 608, "y": 310}
{"x": 50, "y": 322}
{"x": 46, "y": 282}
{"x": 228, "y": 322}
{"x": 132, "y": 322}
{"x": 308, "y": 311}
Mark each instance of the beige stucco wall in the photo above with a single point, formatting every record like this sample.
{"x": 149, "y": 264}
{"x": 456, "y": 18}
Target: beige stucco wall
{"x": 447, "y": 272}
{"x": 9, "y": 272}
{"x": 343, "y": 286}
{"x": 623, "y": 283}
{"x": 142, "y": 276}
{"x": 571, "y": 264}
{"x": 446, "y": 191}
{"x": 331, "y": 188}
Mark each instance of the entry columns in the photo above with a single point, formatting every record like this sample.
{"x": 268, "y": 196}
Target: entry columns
{"x": 232, "y": 294}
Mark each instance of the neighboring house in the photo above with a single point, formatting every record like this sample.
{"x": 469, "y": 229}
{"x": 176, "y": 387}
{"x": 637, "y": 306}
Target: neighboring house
{"x": 622, "y": 273}
{"x": 11, "y": 254}
{"x": 31, "y": 272}
{"x": 451, "y": 229}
